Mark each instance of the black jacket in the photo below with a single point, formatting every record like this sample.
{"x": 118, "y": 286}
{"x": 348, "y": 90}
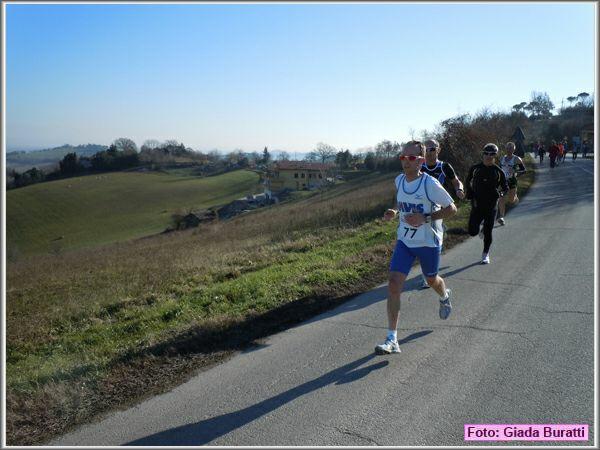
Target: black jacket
{"x": 485, "y": 184}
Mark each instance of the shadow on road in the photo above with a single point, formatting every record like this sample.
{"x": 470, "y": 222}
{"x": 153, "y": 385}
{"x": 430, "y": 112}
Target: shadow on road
{"x": 412, "y": 337}
{"x": 370, "y": 297}
{"x": 203, "y": 432}
{"x": 454, "y": 272}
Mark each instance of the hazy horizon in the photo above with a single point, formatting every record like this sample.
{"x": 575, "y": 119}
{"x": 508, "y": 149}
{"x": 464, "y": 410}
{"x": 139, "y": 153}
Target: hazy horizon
{"x": 221, "y": 151}
{"x": 275, "y": 153}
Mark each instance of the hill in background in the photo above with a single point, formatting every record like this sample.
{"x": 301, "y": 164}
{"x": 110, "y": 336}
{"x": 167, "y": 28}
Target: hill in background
{"x": 22, "y": 160}
{"x": 111, "y": 207}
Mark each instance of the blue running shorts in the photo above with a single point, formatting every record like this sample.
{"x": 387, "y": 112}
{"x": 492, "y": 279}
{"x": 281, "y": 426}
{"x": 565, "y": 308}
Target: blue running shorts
{"x": 404, "y": 257}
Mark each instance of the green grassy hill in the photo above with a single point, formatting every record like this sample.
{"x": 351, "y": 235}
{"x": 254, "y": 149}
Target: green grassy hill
{"x": 100, "y": 209}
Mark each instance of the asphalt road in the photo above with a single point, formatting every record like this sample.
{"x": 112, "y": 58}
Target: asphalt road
{"x": 517, "y": 349}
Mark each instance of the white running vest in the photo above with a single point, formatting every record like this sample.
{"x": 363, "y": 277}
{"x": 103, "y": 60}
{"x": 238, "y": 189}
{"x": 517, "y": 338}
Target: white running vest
{"x": 417, "y": 200}
{"x": 508, "y": 166}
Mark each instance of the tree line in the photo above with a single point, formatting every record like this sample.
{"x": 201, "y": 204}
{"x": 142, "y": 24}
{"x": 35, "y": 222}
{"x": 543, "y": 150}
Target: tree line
{"x": 540, "y": 106}
{"x": 123, "y": 154}
{"x": 461, "y": 138}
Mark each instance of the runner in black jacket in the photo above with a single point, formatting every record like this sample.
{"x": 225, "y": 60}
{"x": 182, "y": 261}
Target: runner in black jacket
{"x": 485, "y": 184}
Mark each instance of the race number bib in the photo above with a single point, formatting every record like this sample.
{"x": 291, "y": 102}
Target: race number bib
{"x": 410, "y": 234}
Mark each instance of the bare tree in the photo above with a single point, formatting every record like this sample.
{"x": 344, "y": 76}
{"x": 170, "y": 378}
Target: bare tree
{"x": 214, "y": 155}
{"x": 150, "y": 144}
{"x": 311, "y": 156}
{"x": 170, "y": 143}
{"x": 325, "y": 152}
{"x": 125, "y": 145}
{"x": 384, "y": 150}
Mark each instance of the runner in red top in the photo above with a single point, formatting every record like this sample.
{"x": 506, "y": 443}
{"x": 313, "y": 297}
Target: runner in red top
{"x": 553, "y": 152}
{"x": 561, "y": 152}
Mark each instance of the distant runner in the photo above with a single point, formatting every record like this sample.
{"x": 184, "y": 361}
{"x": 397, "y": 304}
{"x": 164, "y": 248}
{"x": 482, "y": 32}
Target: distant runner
{"x": 541, "y": 152}
{"x": 553, "y": 153}
{"x": 512, "y": 166}
{"x": 575, "y": 150}
{"x": 561, "y": 153}
{"x": 422, "y": 203}
{"x": 485, "y": 183}
{"x": 442, "y": 171}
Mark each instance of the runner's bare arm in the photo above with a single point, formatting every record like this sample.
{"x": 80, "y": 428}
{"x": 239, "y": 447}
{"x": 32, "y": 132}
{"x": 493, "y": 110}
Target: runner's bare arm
{"x": 458, "y": 188}
{"x": 445, "y": 213}
{"x": 520, "y": 167}
{"x": 418, "y": 219}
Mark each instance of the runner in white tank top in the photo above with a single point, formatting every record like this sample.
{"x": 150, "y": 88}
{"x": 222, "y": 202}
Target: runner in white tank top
{"x": 423, "y": 195}
{"x": 422, "y": 203}
{"x": 512, "y": 166}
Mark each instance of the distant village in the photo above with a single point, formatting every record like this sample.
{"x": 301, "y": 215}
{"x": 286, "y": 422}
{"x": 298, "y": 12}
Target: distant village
{"x": 279, "y": 180}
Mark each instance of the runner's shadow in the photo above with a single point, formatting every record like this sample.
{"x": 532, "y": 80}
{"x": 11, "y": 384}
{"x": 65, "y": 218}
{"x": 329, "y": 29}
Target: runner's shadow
{"x": 203, "y": 432}
{"x": 361, "y": 301}
{"x": 359, "y": 373}
{"x": 368, "y": 298}
{"x": 454, "y": 272}
{"x": 412, "y": 337}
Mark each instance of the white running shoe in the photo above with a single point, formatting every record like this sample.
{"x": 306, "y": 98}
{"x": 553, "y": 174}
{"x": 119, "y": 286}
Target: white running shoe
{"x": 501, "y": 221}
{"x": 446, "y": 305}
{"x": 424, "y": 284}
{"x": 387, "y": 347}
{"x": 485, "y": 258}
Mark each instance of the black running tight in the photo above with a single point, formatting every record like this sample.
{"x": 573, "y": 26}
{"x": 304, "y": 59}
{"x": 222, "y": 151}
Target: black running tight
{"x": 487, "y": 216}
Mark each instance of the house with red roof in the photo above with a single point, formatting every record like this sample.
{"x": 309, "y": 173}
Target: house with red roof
{"x": 298, "y": 175}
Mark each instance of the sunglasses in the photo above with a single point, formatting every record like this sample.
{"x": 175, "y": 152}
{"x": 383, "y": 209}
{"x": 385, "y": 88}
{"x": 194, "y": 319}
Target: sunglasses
{"x": 432, "y": 149}
{"x": 409, "y": 157}
{"x": 489, "y": 153}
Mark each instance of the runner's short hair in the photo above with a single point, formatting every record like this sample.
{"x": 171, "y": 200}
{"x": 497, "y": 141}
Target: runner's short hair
{"x": 511, "y": 144}
{"x": 432, "y": 143}
{"x": 418, "y": 144}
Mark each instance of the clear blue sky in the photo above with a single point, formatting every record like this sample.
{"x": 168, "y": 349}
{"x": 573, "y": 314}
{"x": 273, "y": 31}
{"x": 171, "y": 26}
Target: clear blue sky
{"x": 286, "y": 76}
